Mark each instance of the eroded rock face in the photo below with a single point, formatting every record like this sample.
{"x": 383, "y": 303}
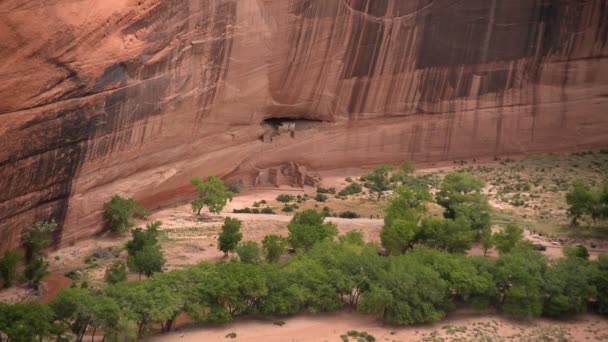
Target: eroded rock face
{"x": 135, "y": 97}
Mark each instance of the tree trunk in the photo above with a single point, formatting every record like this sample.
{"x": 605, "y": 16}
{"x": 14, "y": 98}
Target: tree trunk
{"x": 93, "y": 335}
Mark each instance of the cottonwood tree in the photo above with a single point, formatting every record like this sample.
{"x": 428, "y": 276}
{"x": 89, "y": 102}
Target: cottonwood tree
{"x": 116, "y": 273}
{"x": 230, "y": 236}
{"x": 145, "y": 253}
{"x": 8, "y": 267}
{"x": 119, "y": 213}
{"x": 249, "y": 252}
{"x": 38, "y": 236}
{"x": 211, "y": 193}
{"x": 378, "y": 181}
{"x": 273, "y": 247}
{"x": 307, "y": 228}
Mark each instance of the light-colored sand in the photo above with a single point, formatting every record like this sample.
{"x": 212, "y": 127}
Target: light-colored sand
{"x": 460, "y": 326}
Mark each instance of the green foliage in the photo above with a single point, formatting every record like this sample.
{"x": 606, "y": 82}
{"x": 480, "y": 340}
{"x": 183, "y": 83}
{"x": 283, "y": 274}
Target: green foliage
{"x": 285, "y": 198}
{"x": 26, "y": 322}
{"x": 349, "y": 215}
{"x": 401, "y": 231}
{"x": 235, "y": 187}
{"x": 230, "y": 236}
{"x": 273, "y": 247}
{"x": 351, "y": 189}
{"x": 231, "y": 335}
{"x": 407, "y": 293}
{"x": 249, "y": 252}
{"x": 519, "y": 279}
{"x": 408, "y": 167}
{"x": 321, "y": 197}
{"x": 378, "y": 180}
{"x": 578, "y": 251}
{"x": 508, "y": 238}
{"x": 119, "y": 212}
{"x": 8, "y": 267}
{"x": 35, "y": 271}
{"x": 307, "y": 228}
{"x": 354, "y": 237}
{"x": 452, "y": 236}
{"x": 38, "y": 236}
{"x": 459, "y": 187}
{"x": 145, "y": 253}
{"x": 116, "y": 273}
{"x": 212, "y": 194}
{"x": 322, "y": 190}
{"x": 399, "y": 236}
{"x": 584, "y": 201}
{"x": 600, "y": 281}
{"x": 568, "y": 287}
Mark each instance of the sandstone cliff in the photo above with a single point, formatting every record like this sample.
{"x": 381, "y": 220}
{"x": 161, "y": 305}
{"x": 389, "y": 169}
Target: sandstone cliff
{"x": 137, "y": 96}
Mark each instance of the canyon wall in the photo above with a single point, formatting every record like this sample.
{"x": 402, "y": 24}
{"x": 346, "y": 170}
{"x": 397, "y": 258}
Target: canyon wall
{"x": 135, "y": 97}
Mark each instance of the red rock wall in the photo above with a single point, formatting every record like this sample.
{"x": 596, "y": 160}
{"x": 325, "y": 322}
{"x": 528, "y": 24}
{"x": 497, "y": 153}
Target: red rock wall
{"x": 135, "y": 97}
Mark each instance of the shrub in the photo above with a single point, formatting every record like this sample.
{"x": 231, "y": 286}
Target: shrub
{"x": 321, "y": 197}
{"x": 249, "y": 252}
{"x": 235, "y": 187}
{"x": 351, "y": 189}
{"x": 288, "y": 208}
{"x": 38, "y": 236}
{"x": 284, "y": 198}
{"x": 242, "y": 211}
{"x": 349, "y": 214}
{"x": 116, "y": 273}
{"x": 231, "y": 335}
{"x": 321, "y": 190}
{"x": 268, "y": 210}
{"x": 230, "y": 236}
{"x": 119, "y": 213}
{"x": 8, "y": 267}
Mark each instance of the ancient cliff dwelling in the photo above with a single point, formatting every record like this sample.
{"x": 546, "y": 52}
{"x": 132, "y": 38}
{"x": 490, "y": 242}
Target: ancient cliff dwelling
{"x": 318, "y": 101}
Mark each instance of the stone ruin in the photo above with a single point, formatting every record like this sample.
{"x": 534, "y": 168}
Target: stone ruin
{"x": 291, "y": 174}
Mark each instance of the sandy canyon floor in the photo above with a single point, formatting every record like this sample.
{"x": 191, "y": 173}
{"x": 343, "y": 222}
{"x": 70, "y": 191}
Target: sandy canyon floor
{"x": 528, "y": 191}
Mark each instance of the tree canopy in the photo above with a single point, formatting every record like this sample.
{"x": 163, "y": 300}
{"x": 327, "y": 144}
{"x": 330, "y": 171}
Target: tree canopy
{"x": 211, "y": 193}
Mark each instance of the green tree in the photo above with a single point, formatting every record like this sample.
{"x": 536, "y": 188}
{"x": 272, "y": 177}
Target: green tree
{"x": 354, "y": 237}
{"x": 399, "y": 236}
{"x": 406, "y": 204}
{"x": 407, "y": 293}
{"x": 273, "y": 247}
{"x": 307, "y": 228}
{"x": 249, "y": 252}
{"x": 519, "y": 279}
{"x": 26, "y": 322}
{"x": 568, "y": 287}
{"x": 600, "y": 281}
{"x": 459, "y": 187}
{"x": 477, "y": 211}
{"x": 580, "y": 200}
{"x": 38, "y": 236}
{"x": 145, "y": 255}
{"x": 8, "y": 267}
{"x": 378, "y": 181}
{"x": 147, "y": 261}
{"x": 578, "y": 251}
{"x": 119, "y": 213}
{"x": 35, "y": 271}
{"x": 75, "y": 309}
{"x": 230, "y": 236}
{"x": 142, "y": 238}
{"x": 212, "y": 194}
{"x": 487, "y": 241}
{"x": 508, "y": 238}
{"x": 452, "y": 236}
{"x": 116, "y": 273}
{"x": 408, "y": 167}
{"x": 146, "y": 302}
